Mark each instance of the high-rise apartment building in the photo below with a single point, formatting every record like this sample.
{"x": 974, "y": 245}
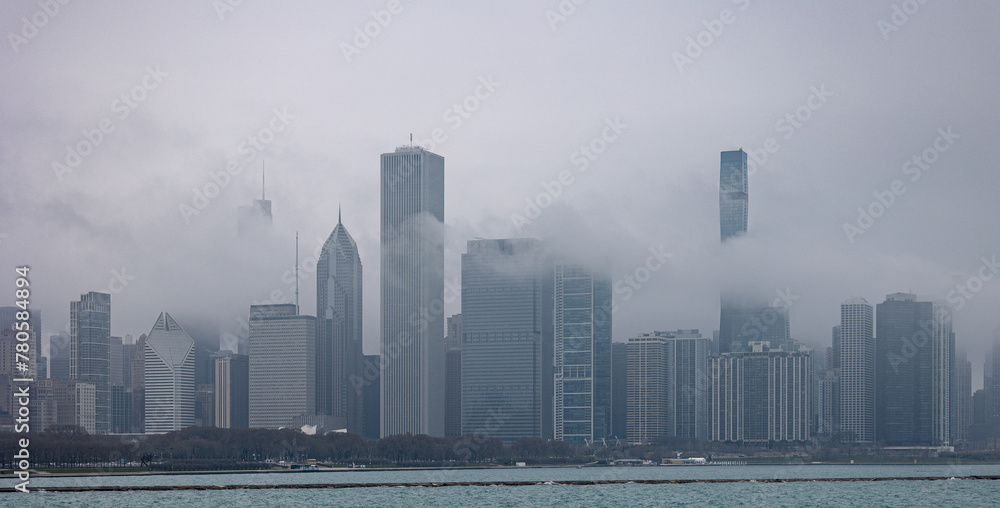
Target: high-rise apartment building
{"x": 412, "y": 292}
{"x": 582, "y": 359}
{"x": 668, "y": 386}
{"x": 507, "y": 339}
{"x": 857, "y": 371}
{"x": 90, "y": 351}
{"x": 619, "y": 390}
{"x": 282, "y": 365}
{"x": 761, "y": 395}
{"x": 339, "y": 356}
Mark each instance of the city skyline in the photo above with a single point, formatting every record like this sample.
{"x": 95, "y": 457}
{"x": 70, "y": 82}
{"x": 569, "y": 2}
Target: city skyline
{"x": 858, "y": 119}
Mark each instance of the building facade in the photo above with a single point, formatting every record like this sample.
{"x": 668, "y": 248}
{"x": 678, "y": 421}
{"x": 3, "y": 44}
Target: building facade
{"x": 453, "y": 378}
{"x": 857, "y": 371}
{"x": 232, "y": 391}
{"x": 507, "y": 339}
{"x": 339, "y": 355}
{"x": 90, "y": 351}
{"x": 169, "y": 377}
{"x": 582, "y": 374}
{"x": 412, "y": 292}
{"x": 762, "y": 395}
{"x": 282, "y": 373}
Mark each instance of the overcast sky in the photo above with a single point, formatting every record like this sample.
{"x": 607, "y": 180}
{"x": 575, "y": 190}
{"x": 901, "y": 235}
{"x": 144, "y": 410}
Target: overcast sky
{"x": 680, "y": 81}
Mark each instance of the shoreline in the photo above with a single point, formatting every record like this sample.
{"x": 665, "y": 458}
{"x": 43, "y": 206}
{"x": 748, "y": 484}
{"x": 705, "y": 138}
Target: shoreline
{"x": 44, "y": 474}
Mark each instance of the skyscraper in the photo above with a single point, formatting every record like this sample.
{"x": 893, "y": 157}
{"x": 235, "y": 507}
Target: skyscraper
{"x": 733, "y": 194}
{"x": 453, "y": 378}
{"x": 667, "y": 386}
{"x": 232, "y": 391}
{"x": 619, "y": 390}
{"x": 339, "y": 355}
{"x": 254, "y": 220}
{"x": 962, "y": 400}
{"x": 412, "y": 292}
{"x": 90, "y": 351}
{"x": 8, "y": 316}
{"x": 282, "y": 365}
{"x": 169, "y": 373}
{"x": 507, "y": 339}
{"x": 857, "y": 371}
{"x": 582, "y": 352}
{"x": 761, "y": 395}
{"x": 904, "y": 371}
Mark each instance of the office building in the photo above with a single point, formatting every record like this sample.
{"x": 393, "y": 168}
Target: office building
{"x": 169, "y": 377}
{"x": 369, "y": 382}
{"x": 412, "y": 292}
{"x": 232, "y": 391}
{"x": 507, "y": 331}
{"x": 453, "y": 378}
{"x": 339, "y": 328}
{"x": 582, "y": 351}
{"x": 962, "y": 399}
{"x": 282, "y": 365}
{"x": 90, "y": 351}
{"x": 619, "y": 390}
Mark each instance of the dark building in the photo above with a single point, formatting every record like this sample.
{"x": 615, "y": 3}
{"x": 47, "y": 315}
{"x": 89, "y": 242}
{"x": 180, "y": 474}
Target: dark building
{"x": 90, "y": 350}
{"x": 370, "y": 380}
{"x": 121, "y": 409}
{"x": 204, "y": 406}
{"x": 506, "y": 374}
{"x": 912, "y": 373}
{"x": 453, "y": 378}
{"x": 59, "y": 356}
{"x": 962, "y": 399}
{"x": 619, "y": 389}
{"x": 232, "y": 391}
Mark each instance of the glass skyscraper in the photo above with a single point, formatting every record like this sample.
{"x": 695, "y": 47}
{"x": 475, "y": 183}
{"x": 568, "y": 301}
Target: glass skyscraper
{"x": 90, "y": 351}
{"x": 733, "y": 179}
{"x": 412, "y": 292}
{"x": 339, "y": 354}
{"x": 582, "y": 352}
{"x": 506, "y": 339}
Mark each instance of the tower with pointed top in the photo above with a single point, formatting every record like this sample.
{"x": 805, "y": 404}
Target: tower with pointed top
{"x": 255, "y": 219}
{"x": 339, "y": 354}
{"x": 169, "y": 377}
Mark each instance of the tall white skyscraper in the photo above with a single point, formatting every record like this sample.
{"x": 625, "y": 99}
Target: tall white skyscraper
{"x": 282, "y": 365}
{"x": 857, "y": 371}
{"x": 169, "y": 377}
{"x": 412, "y": 292}
{"x": 339, "y": 354}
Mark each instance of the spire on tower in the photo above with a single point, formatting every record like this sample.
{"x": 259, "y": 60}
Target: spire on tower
{"x": 296, "y": 273}
{"x": 338, "y": 214}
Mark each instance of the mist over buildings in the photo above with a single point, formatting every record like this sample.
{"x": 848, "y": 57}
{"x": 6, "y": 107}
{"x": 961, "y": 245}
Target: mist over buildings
{"x": 223, "y": 93}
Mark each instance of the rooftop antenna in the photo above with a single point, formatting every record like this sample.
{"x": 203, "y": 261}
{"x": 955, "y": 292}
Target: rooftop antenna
{"x": 338, "y": 214}
{"x": 411, "y": 139}
{"x": 296, "y": 273}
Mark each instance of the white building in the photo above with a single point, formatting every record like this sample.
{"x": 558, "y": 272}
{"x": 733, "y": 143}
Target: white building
{"x": 857, "y": 371}
{"x": 169, "y": 377}
{"x": 282, "y": 365}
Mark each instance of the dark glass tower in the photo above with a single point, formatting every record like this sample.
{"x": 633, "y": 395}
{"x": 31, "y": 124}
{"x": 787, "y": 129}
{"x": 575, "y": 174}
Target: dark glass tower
{"x": 507, "y": 340}
{"x": 733, "y": 194}
{"x": 90, "y": 351}
{"x": 339, "y": 354}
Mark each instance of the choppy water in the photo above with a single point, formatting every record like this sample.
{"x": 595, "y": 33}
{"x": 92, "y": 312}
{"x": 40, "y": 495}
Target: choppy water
{"x": 965, "y": 493}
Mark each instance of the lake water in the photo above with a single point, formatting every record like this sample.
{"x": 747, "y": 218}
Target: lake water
{"x": 964, "y": 493}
